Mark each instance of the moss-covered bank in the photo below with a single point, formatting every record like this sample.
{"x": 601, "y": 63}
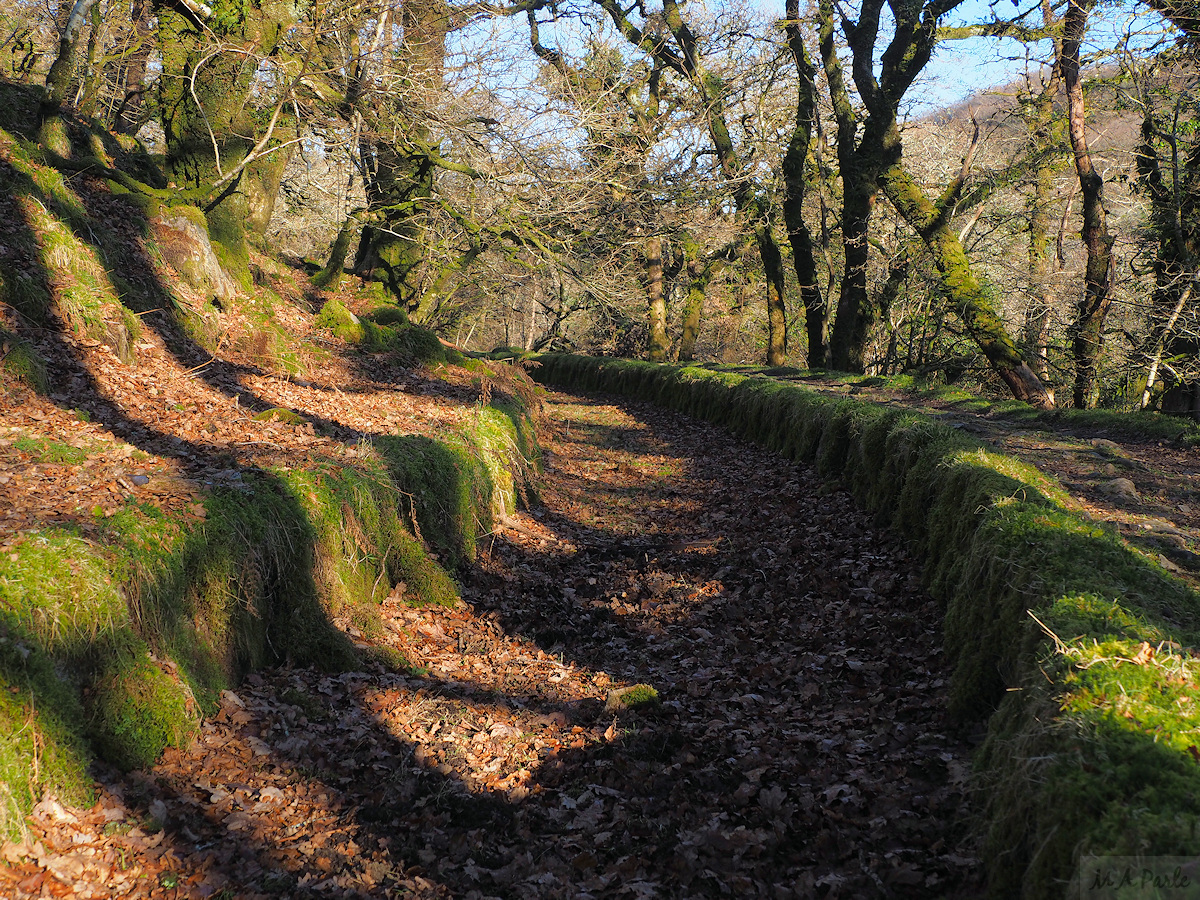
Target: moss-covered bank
{"x": 1079, "y": 651}
{"x": 114, "y": 645}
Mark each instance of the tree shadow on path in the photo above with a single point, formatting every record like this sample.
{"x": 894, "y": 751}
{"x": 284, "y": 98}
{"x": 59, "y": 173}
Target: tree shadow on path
{"x": 800, "y": 749}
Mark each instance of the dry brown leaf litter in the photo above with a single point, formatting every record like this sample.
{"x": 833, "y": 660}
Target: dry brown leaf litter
{"x": 799, "y": 751}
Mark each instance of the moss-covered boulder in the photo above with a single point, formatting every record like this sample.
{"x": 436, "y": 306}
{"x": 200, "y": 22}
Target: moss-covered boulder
{"x": 181, "y": 234}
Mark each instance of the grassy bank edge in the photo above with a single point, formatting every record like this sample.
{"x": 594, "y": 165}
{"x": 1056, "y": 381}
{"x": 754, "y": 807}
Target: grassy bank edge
{"x": 1078, "y": 650}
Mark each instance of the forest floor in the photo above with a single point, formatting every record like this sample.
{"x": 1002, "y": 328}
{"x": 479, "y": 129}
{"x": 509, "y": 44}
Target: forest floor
{"x": 1144, "y": 486}
{"x": 799, "y": 747}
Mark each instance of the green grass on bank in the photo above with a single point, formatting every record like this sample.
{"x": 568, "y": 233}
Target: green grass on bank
{"x": 115, "y": 645}
{"x": 1079, "y": 652}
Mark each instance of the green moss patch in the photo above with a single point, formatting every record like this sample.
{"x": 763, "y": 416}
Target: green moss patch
{"x": 339, "y": 320}
{"x": 388, "y": 316}
{"x": 1079, "y": 651}
{"x": 386, "y": 330}
{"x": 138, "y": 710}
{"x": 280, "y": 414}
{"x": 455, "y": 486}
{"x": 634, "y": 697}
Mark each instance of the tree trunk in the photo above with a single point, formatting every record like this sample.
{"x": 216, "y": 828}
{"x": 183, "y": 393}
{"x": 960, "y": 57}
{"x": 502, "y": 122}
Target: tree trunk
{"x": 772, "y": 261}
{"x": 657, "y": 345}
{"x": 856, "y": 314}
{"x": 331, "y": 276}
{"x": 58, "y": 79}
{"x": 394, "y": 252}
{"x": 93, "y": 79}
{"x": 261, "y": 185}
{"x": 970, "y": 301}
{"x": 898, "y": 270}
{"x": 130, "y": 115}
{"x": 795, "y": 161}
{"x": 693, "y": 307}
{"x": 52, "y": 133}
{"x": 209, "y": 124}
{"x": 859, "y": 156}
{"x": 1097, "y": 295}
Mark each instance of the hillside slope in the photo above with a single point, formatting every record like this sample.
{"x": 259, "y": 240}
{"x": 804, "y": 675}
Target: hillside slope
{"x": 198, "y": 478}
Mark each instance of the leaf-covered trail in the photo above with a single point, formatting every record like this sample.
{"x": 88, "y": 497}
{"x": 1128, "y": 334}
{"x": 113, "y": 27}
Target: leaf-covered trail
{"x": 800, "y": 748}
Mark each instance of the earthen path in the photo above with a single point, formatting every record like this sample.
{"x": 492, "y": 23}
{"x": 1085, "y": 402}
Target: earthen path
{"x": 798, "y": 747}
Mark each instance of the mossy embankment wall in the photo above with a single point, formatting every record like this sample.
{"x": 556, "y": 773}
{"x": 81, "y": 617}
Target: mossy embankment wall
{"x": 1080, "y": 652}
{"x": 113, "y": 646}
{"x": 121, "y": 625}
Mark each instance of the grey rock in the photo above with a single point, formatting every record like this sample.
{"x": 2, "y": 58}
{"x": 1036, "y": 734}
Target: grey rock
{"x": 185, "y": 245}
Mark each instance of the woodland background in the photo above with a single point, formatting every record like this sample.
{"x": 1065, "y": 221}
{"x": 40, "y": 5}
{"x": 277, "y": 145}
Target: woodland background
{"x": 716, "y": 181}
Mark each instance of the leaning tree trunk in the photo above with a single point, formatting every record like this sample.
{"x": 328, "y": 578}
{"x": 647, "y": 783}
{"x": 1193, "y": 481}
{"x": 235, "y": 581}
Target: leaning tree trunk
{"x": 330, "y": 277}
{"x": 972, "y": 304}
{"x": 1097, "y": 295}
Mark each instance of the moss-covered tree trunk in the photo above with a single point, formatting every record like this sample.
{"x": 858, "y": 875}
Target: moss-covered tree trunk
{"x": 898, "y": 270}
{"x": 392, "y": 251}
{"x": 699, "y": 276}
{"x": 1088, "y": 329}
{"x": 657, "y": 345}
{"x": 330, "y": 276}
{"x": 402, "y": 171}
{"x": 772, "y": 261}
{"x": 795, "y": 163}
{"x": 971, "y": 302}
{"x": 204, "y": 102}
{"x": 51, "y": 128}
{"x": 261, "y": 184}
